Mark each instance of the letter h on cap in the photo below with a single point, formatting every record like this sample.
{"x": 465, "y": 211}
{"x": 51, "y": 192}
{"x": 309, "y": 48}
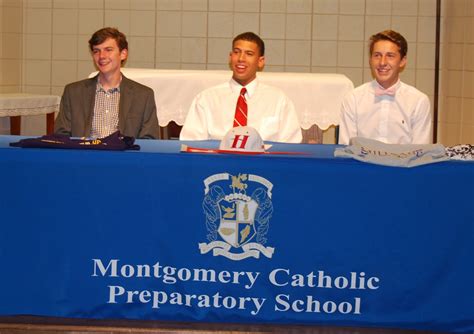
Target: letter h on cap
{"x": 240, "y": 141}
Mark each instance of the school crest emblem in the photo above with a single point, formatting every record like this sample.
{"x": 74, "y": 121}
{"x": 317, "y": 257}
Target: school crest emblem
{"x": 237, "y": 209}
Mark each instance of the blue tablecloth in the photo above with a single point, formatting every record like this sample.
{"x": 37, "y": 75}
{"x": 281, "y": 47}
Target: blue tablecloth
{"x": 307, "y": 239}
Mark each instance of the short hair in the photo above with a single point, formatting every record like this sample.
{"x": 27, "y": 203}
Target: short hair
{"x": 251, "y": 37}
{"x": 101, "y": 35}
{"x": 392, "y": 36}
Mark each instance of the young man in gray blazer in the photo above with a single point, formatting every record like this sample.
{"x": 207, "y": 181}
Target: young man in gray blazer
{"x": 108, "y": 102}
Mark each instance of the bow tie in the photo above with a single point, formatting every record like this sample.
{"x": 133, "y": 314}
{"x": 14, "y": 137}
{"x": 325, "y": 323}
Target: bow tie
{"x": 389, "y": 91}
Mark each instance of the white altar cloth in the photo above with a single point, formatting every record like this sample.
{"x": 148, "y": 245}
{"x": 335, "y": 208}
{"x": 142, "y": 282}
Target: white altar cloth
{"x": 20, "y": 104}
{"x": 317, "y": 96}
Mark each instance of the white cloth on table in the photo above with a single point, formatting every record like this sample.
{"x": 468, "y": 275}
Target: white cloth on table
{"x": 20, "y": 104}
{"x": 270, "y": 112}
{"x": 317, "y": 97}
{"x": 401, "y": 119}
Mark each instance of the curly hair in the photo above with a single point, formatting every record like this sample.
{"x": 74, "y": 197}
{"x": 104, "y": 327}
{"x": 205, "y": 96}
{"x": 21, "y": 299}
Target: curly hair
{"x": 251, "y": 37}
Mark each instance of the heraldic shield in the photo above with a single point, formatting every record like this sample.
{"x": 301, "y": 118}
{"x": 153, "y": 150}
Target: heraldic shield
{"x": 238, "y": 209}
{"x": 237, "y": 221}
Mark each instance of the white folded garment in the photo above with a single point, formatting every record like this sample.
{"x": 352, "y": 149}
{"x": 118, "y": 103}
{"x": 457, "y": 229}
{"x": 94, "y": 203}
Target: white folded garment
{"x": 406, "y": 155}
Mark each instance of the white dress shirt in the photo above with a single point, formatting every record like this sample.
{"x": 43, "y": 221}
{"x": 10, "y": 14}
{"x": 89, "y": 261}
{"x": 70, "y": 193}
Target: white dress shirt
{"x": 270, "y": 112}
{"x": 404, "y": 118}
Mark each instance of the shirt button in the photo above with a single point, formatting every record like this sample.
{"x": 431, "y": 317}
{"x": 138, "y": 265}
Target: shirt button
{"x": 107, "y": 111}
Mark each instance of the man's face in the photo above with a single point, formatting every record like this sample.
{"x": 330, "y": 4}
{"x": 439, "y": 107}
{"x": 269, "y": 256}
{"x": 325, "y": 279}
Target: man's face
{"x": 107, "y": 56}
{"x": 386, "y": 63}
{"x": 245, "y": 61}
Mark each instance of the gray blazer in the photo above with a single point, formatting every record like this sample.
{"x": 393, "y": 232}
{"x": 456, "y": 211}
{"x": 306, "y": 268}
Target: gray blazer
{"x": 137, "y": 110}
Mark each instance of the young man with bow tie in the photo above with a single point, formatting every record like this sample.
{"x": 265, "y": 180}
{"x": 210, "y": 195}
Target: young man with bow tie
{"x": 243, "y": 101}
{"x": 386, "y": 109}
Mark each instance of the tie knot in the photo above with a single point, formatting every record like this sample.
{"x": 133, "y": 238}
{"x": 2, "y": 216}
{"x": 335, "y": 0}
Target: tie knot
{"x": 379, "y": 91}
{"x": 243, "y": 91}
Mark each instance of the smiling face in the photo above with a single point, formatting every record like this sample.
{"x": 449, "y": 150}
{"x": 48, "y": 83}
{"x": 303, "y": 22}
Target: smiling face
{"x": 108, "y": 57}
{"x": 245, "y": 60}
{"x": 386, "y": 63}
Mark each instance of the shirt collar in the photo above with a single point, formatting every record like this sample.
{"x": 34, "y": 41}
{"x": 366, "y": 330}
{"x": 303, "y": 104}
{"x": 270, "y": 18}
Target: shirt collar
{"x": 251, "y": 87}
{"x": 100, "y": 88}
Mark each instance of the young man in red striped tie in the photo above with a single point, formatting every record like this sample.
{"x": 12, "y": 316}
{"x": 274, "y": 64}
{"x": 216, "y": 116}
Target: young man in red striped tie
{"x": 386, "y": 109}
{"x": 243, "y": 101}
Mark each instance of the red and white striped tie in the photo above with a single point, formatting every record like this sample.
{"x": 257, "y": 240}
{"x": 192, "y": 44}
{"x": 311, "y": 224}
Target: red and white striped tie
{"x": 240, "y": 118}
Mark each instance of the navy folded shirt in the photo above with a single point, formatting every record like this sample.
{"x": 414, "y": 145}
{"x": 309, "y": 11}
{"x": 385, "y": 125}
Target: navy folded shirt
{"x": 114, "y": 142}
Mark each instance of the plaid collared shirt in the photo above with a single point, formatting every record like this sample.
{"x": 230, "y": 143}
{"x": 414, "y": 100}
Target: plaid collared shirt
{"x": 106, "y": 111}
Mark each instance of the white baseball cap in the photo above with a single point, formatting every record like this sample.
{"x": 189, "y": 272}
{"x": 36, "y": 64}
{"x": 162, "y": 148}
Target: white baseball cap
{"x": 242, "y": 139}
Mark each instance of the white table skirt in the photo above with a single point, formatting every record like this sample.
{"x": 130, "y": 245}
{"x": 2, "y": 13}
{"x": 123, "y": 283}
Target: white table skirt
{"x": 28, "y": 104}
{"x": 317, "y": 96}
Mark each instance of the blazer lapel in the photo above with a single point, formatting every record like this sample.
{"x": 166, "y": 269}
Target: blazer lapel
{"x": 89, "y": 102}
{"x": 125, "y": 104}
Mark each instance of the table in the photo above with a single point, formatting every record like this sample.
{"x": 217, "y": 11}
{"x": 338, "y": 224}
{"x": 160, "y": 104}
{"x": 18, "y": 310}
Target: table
{"x": 162, "y": 235}
{"x": 16, "y": 105}
{"x": 317, "y": 96}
